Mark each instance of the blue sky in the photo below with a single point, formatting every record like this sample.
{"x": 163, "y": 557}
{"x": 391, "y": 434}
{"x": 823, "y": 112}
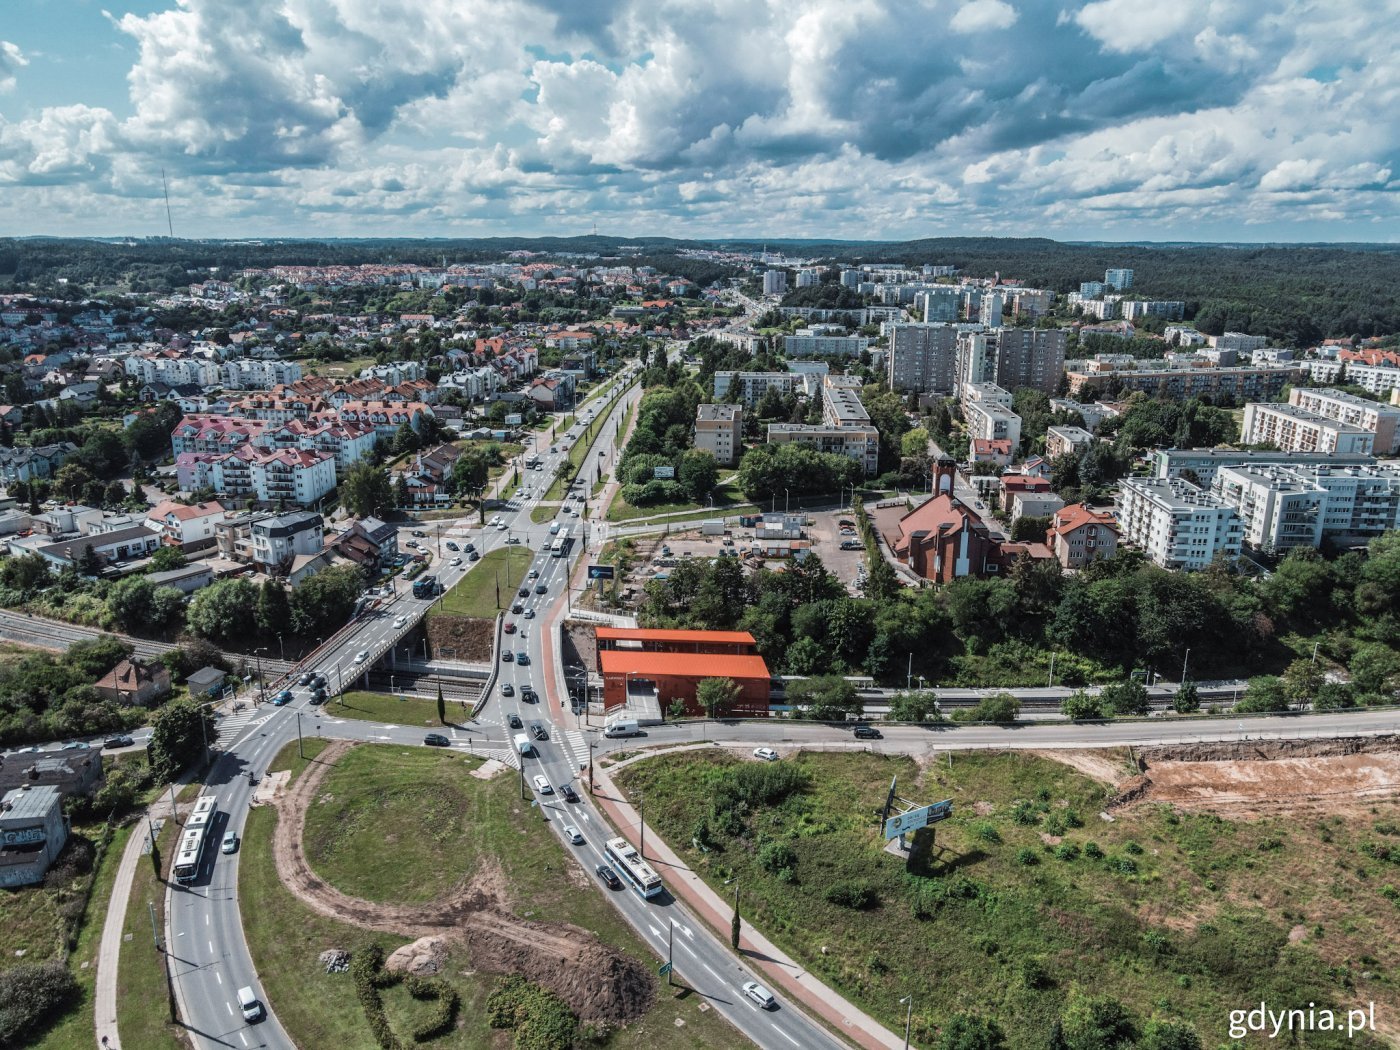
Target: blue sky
{"x": 1107, "y": 119}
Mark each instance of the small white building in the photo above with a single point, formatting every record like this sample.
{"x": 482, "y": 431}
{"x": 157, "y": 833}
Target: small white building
{"x": 33, "y": 831}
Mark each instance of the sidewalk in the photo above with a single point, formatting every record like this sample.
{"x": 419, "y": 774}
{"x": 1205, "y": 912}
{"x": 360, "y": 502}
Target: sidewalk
{"x": 109, "y": 951}
{"x": 762, "y": 955}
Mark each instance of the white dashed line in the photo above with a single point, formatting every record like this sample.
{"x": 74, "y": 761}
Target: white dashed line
{"x": 789, "y": 1038}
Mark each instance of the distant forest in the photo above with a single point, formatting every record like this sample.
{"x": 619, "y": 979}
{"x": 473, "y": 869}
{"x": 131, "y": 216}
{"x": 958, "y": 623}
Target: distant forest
{"x": 1295, "y": 294}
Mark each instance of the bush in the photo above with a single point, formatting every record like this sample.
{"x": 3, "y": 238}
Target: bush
{"x": 855, "y": 894}
{"x": 1092, "y": 851}
{"x": 986, "y": 831}
{"x": 1027, "y": 857}
{"x": 1033, "y": 973}
{"x": 30, "y": 994}
{"x": 776, "y": 857}
{"x": 541, "y": 1020}
{"x": 1067, "y": 851}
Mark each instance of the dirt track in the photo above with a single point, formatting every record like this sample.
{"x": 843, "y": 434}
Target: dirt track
{"x": 599, "y": 983}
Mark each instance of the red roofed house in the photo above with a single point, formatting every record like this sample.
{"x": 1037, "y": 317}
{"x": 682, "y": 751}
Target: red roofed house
{"x": 645, "y": 668}
{"x": 1078, "y": 535}
{"x": 185, "y": 526}
{"x": 991, "y": 450}
{"x": 942, "y": 540}
{"x": 134, "y": 682}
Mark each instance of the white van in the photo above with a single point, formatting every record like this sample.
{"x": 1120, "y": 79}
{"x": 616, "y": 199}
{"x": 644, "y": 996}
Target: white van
{"x": 623, "y": 727}
{"x": 554, "y": 528}
{"x": 523, "y": 744}
{"x": 248, "y": 1003}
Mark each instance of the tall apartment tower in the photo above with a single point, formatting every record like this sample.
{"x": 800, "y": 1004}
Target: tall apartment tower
{"x": 1119, "y": 279}
{"x": 1029, "y": 357}
{"x": 973, "y": 356}
{"x": 774, "y": 282}
{"x": 922, "y": 357}
{"x": 941, "y": 304}
{"x": 989, "y": 309}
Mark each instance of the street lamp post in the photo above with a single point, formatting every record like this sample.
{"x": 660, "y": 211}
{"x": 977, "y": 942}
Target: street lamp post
{"x": 787, "y": 498}
{"x": 734, "y": 923}
{"x": 1184, "y": 660}
{"x": 281, "y": 650}
{"x": 257, "y": 655}
{"x": 908, "y": 1018}
{"x": 1051, "y": 684}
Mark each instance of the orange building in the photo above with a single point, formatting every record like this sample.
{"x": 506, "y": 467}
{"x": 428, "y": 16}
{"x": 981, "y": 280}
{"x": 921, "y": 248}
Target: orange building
{"x": 662, "y": 666}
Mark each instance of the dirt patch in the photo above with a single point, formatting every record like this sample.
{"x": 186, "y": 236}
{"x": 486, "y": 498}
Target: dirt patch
{"x": 424, "y": 957}
{"x": 488, "y": 769}
{"x": 1249, "y": 778}
{"x": 1106, "y": 766}
{"x": 598, "y": 982}
{"x": 270, "y": 788}
{"x": 580, "y": 644}
{"x": 463, "y": 639}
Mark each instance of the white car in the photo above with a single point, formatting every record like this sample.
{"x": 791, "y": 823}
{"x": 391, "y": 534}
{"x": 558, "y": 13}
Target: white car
{"x": 534, "y": 574}
{"x": 759, "y": 994}
{"x": 573, "y": 834}
{"x": 400, "y": 622}
{"x": 456, "y": 561}
{"x": 500, "y": 526}
{"x": 543, "y": 786}
{"x": 765, "y": 753}
{"x": 362, "y": 656}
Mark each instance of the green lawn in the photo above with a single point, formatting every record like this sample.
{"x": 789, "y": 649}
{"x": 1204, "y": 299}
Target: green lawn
{"x": 475, "y": 594}
{"x": 540, "y": 513}
{"x": 394, "y": 710}
{"x": 321, "y": 1010}
{"x": 143, "y": 1017}
{"x": 729, "y": 500}
{"x": 1030, "y": 895}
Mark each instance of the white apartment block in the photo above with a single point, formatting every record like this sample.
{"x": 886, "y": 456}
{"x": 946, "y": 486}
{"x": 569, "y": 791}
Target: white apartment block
{"x": 253, "y": 374}
{"x": 173, "y": 369}
{"x": 474, "y": 384}
{"x": 774, "y": 282}
{"x": 1294, "y": 429}
{"x": 986, "y": 393}
{"x": 1176, "y": 524}
{"x": 992, "y": 422}
{"x": 1283, "y": 507}
{"x": 719, "y": 430}
{"x": 751, "y": 386}
{"x": 1133, "y": 309}
{"x": 1092, "y": 412}
{"x": 1239, "y": 341}
{"x": 860, "y": 443}
{"x": 1184, "y": 336}
{"x": 824, "y": 345}
{"x": 841, "y": 404}
{"x": 1118, "y": 278}
{"x": 1379, "y": 419}
{"x": 1374, "y": 379}
{"x": 1062, "y": 441}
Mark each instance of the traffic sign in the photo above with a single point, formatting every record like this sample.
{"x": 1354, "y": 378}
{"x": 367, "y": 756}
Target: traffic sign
{"x": 600, "y": 572}
{"x": 663, "y": 969}
{"x": 903, "y": 823}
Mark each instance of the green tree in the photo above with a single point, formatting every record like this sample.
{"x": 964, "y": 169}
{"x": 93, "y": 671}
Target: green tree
{"x": 1168, "y": 1035}
{"x": 825, "y": 698}
{"x": 326, "y": 600}
{"x": 129, "y": 602}
{"x": 406, "y": 440}
{"x": 28, "y": 572}
{"x": 970, "y": 1032}
{"x": 179, "y": 730}
{"x": 1081, "y": 706}
{"x": 1301, "y": 681}
{"x": 401, "y": 490}
{"x": 471, "y": 472}
{"x": 1000, "y": 707}
{"x": 365, "y": 491}
{"x": 167, "y": 559}
{"x": 698, "y": 473}
{"x": 224, "y": 611}
{"x": 1187, "y": 699}
{"x": 1096, "y": 1023}
{"x": 914, "y": 706}
{"x": 1375, "y": 669}
{"x": 167, "y": 608}
{"x": 71, "y": 480}
{"x": 31, "y": 994}
{"x": 1125, "y": 698}
{"x": 274, "y": 612}
{"x": 1265, "y": 693}
{"x": 717, "y": 696}
{"x": 441, "y": 706}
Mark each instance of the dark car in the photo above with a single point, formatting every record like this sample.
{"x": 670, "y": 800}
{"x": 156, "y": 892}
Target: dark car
{"x": 318, "y": 696}
{"x": 473, "y": 556}
{"x": 318, "y": 681}
{"x": 522, "y": 658}
{"x": 436, "y": 740}
{"x": 507, "y": 689}
{"x": 517, "y": 608}
{"x": 452, "y": 546}
{"x": 419, "y": 533}
{"x": 528, "y": 694}
{"x": 541, "y": 588}
{"x": 570, "y": 795}
{"x": 867, "y": 733}
{"x": 118, "y": 741}
{"x": 524, "y": 592}
{"x": 538, "y": 731}
{"x": 609, "y": 877}
{"x": 514, "y": 721}
{"x": 306, "y": 678}
{"x": 508, "y": 657}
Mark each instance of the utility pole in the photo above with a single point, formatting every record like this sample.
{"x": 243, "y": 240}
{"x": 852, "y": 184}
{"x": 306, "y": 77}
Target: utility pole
{"x": 670, "y": 952}
{"x": 301, "y": 750}
{"x": 908, "y": 1018}
{"x": 642, "y": 823}
{"x": 1187, "y": 657}
{"x": 155, "y": 936}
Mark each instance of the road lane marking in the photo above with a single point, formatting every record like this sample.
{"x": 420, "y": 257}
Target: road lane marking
{"x": 712, "y": 971}
{"x": 685, "y": 930}
{"x": 229, "y": 1009}
{"x": 218, "y": 977}
{"x": 654, "y": 930}
{"x": 789, "y": 1038}
{"x": 244, "y": 1037}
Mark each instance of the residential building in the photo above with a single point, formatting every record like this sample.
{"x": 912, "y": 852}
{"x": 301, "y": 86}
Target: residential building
{"x": 774, "y": 282}
{"x": 27, "y": 464}
{"x": 802, "y": 345}
{"x": 189, "y": 527}
{"x": 941, "y": 540}
{"x": 1090, "y": 289}
{"x": 33, "y": 831}
{"x": 941, "y": 303}
{"x": 1133, "y": 309}
{"x": 111, "y": 549}
{"x": 254, "y": 374}
{"x": 1380, "y": 419}
{"x": 989, "y": 310}
{"x": 841, "y": 404}
{"x": 1118, "y": 279}
{"x": 1294, "y": 429}
{"x": 1283, "y": 507}
{"x": 1063, "y": 441}
{"x": 1031, "y": 304}
{"x": 1377, "y": 379}
{"x": 1179, "y": 382}
{"x": 990, "y": 421}
{"x": 386, "y": 416}
{"x": 1176, "y": 524}
{"x": 922, "y": 357}
{"x": 751, "y": 386}
{"x": 860, "y": 443}
{"x": 1239, "y": 341}
{"x": 719, "y": 430}
{"x": 1091, "y": 412}
{"x": 1025, "y": 504}
{"x": 278, "y": 539}
{"x": 1029, "y": 357}
{"x": 1183, "y": 336}
{"x": 1078, "y": 536}
{"x": 1200, "y": 465}
{"x": 998, "y": 452}
{"x": 134, "y": 681}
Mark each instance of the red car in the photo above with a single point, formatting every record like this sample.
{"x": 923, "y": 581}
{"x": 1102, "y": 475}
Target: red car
{"x": 510, "y": 628}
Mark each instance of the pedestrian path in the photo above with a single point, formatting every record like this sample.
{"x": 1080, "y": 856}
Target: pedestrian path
{"x": 230, "y": 726}
{"x": 575, "y": 743}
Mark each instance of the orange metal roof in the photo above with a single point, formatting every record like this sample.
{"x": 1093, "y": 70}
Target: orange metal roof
{"x": 685, "y": 665}
{"x": 638, "y": 634}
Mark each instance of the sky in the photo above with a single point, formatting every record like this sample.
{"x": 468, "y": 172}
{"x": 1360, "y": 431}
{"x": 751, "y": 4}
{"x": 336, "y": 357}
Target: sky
{"x": 1208, "y": 120}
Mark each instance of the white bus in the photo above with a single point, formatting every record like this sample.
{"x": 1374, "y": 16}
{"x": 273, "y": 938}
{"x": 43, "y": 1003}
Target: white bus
{"x": 560, "y": 546}
{"x": 633, "y": 868}
{"x": 190, "y": 851}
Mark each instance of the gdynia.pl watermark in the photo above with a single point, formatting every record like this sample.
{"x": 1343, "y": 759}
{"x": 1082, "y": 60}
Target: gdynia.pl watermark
{"x": 1275, "y": 1023}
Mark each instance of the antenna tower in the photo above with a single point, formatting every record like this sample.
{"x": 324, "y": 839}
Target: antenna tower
{"x": 165, "y": 188}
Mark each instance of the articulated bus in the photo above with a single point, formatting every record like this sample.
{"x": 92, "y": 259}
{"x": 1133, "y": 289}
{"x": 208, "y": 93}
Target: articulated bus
{"x": 196, "y": 832}
{"x": 560, "y": 546}
{"x": 630, "y": 866}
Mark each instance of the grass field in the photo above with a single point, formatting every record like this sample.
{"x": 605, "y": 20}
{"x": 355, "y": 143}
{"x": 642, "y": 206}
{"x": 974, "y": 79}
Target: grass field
{"x": 729, "y": 500}
{"x": 475, "y": 594}
{"x": 320, "y": 1009}
{"x": 143, "y": 1016}
{"x": 1030, "y": 897}
{"x": 394, "y": 710}
{"x": 541, "y": 513}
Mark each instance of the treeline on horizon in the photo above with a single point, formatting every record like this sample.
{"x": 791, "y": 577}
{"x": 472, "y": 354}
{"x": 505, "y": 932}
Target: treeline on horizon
{"x": 1294, "y": 294}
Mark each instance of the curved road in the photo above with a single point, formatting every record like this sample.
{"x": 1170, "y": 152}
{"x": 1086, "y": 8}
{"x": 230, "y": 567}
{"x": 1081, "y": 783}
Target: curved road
{"x": 209, "y": 955}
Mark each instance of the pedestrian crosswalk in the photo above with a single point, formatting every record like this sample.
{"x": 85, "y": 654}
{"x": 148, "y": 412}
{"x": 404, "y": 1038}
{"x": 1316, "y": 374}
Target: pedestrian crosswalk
{"x": 232, "y": 725}
{"x": 576, "y": 743}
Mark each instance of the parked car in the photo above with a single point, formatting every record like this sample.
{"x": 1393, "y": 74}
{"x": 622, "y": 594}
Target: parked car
{"x": 608, "y": 876}
{"x": 765, "y": 753}
{"x": 850, "y": 545}
{"x": 111, "y": 743}
{"x": 436, "y": 740}
{"x": 419, "y": 533}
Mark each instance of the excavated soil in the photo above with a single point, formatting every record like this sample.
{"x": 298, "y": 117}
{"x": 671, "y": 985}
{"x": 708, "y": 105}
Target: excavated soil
{"x": 463, "y": 639}
{"x": 1248, "y": 778}
{"x": 598, "y": 982}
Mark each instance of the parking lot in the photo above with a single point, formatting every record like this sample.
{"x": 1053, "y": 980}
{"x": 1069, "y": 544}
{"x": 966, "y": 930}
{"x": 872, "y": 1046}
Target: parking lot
{"x": 827, "y": 537}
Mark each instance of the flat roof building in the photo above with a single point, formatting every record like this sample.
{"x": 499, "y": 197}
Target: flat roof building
{"x": 719, "y": 430}
{"x": 1295, "y": 429}
{"x": 642, "y": 668}
{"x": 1176, "y": 524}
{"x": 33, "y": 831}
